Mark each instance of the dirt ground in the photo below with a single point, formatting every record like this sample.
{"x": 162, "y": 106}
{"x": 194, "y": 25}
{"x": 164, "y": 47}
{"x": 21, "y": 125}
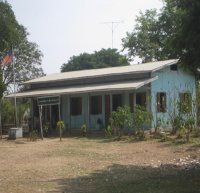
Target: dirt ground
{"x": 97, "y": 165}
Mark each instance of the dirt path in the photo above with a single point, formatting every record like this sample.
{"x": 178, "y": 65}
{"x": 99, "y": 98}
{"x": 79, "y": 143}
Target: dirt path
{"x": 82, "y": 165}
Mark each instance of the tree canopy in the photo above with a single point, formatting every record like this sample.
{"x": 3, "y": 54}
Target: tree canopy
{"x": 172, "y": 32}
{"x": 27, "y": 56}
{"x": 98, "y": 59}
{"x": 186, "y": 39}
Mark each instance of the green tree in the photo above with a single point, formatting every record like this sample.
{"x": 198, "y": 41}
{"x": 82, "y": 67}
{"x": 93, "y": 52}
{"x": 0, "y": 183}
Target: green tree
{"x": 185, "y": 39}
{"x": 98, "y": 59}
{"x": 27, "y": 56}
{"x": 171, "y": 33}
{"x": 143, "y": 41}
{"x": 150, "y": 38}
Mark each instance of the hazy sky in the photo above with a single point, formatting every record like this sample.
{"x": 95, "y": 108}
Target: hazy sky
{"x": 63, "y": 28}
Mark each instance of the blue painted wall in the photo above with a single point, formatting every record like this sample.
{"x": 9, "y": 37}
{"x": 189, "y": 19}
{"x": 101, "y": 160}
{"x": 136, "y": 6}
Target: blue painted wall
{"x": 75, "y": 122}
{"x": 173, "y": 83}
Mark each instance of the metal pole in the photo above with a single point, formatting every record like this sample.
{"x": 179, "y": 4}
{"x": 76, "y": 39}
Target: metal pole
{"x": 15, "y": 99}
{"x": 114, "y": 24}
{"x": 112, "y": 35}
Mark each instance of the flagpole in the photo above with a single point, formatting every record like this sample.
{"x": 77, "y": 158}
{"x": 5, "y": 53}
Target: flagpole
{"x": 14, "y": 77}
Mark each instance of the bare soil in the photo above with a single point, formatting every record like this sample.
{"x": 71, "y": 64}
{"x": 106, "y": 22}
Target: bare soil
{"x": 97, "y": 165}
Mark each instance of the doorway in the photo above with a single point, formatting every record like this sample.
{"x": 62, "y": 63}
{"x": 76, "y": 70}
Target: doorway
{"x": 116, "y": 101}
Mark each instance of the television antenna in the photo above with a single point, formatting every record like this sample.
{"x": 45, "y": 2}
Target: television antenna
{"x": 114, "y": 25}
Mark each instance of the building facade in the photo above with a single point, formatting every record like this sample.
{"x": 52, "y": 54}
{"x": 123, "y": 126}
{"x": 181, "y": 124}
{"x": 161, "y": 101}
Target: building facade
{"x": 89, "y": 96}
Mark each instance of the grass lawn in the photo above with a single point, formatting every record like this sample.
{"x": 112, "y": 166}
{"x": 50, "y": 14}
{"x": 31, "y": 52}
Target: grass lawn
{"x": 80, "y": 165}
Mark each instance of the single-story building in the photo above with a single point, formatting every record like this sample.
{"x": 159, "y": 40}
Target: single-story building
{"x": 89, "y": 96}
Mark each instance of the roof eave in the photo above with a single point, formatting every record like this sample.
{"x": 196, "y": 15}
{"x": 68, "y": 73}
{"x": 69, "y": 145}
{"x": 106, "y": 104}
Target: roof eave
{"x": 79, "y": 78}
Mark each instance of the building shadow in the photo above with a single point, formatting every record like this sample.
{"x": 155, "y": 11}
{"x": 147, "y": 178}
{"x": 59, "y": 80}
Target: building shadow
{"x": 134, "y": 179}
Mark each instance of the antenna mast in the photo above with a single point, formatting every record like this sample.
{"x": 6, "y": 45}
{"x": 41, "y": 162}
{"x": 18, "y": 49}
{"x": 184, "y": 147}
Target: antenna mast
{"x": 114, "y": 25}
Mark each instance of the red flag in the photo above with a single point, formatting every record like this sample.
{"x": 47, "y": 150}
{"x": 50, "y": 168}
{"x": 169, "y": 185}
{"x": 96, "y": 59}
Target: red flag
{"x": 7, "y": 58}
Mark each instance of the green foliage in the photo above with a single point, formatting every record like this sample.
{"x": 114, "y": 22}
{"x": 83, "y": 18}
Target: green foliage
{"x": 84, "y": 129}
{"x": 141, "y": 117}
{"x": 196, "y": 132}
{"x": 8, "y": 112}
{"x": 148, "y": 39}
{"x": 186, "y": 38}
{"x": 46, "y": 128}
{"x": 34, "y": 135}
{"x": 26, "y": 53}
{"x": 60, "y": 126}
{"x": 2, "y": 85}
{"x": 121, "y": 118}
{"x": 108, "y": 131}
{"x": 189, "y": 126}
{"x": 171, "y": 33}
{"x": 183, "y": 122}
{"x": 136, "y": 122}
{"x": 198, "y": 102}
{"x": 98, "y": 59}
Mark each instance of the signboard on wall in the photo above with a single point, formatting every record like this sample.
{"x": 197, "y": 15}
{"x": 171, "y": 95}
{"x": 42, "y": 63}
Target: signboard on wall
{"x": 48, "y": 100}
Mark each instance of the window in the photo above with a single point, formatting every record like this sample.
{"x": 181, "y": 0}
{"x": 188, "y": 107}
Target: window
{"x": 161, "y": 102}
{"x": 174, "y": 67}
{"x": 141, "y": 99}
{"x": 95, "y": 105}
{"x": 116, "y": 101}
{"x": 185, "y": 102}
{"x": 76, "y": 106}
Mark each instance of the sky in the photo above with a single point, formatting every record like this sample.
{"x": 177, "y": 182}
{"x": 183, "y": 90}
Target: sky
{"x": 63, "y": 28}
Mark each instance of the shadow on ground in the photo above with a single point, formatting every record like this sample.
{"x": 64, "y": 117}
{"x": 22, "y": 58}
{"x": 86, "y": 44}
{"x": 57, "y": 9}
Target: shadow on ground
{"x": 134, "y": 179}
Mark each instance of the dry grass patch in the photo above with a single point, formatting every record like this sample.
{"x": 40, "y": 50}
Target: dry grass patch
{"x": 94, "y": 165}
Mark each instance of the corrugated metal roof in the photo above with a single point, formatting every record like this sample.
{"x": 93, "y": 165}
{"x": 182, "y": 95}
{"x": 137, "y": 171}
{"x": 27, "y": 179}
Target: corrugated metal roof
{"x": 85, "y": 89}
{"x": 136, "y": 68}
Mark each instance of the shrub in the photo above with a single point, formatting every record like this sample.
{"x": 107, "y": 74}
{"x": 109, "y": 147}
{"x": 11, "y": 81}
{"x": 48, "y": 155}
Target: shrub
{"x": 188, "y": 126}
{"x": 120, "y": 119}
{"x": 108, "y": 131}
{"x": 186, "y": 119}
{"x": 60, "y": 127}
{"x": 84, "y": 129}
{"x": 141, "y": 118}
{"x": 196, "y": 132}
{"x": 33, "y": 135}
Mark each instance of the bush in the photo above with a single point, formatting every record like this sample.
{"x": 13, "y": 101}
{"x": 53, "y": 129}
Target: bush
{"x": 60, "y": 127}
{"x": 84, "y": 130}
{"x": 141, "y": 118}
{"x": 108, "y": 131}
{"x": 120, "y": 119}
{"x": 196, "y": 132}
{"x": 33, "y": 135}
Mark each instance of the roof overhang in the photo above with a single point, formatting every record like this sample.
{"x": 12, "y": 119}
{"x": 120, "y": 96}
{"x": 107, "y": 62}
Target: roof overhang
{"x": 118, "y": 86}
